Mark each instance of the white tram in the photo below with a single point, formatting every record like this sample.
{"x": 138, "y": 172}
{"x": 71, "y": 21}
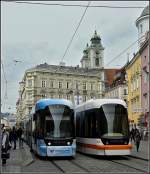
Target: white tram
{"x": 102, "y": 127}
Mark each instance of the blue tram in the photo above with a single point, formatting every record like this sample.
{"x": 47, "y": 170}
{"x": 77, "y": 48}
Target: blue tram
{"x": 51, "y": 128}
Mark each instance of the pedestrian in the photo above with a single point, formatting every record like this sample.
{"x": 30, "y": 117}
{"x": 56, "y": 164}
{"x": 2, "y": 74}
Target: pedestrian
{"x": 132, "y": 134}
{"x": 10, "y": 136}
{"x": 19, "y": 133}
{"x": 5, "y": 145}
{"x": 22, "y": 138}
{"x": 14, "y": 137}
{"x": 137, "y": 139}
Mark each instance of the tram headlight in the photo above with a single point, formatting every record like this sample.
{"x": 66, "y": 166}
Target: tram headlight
{"x": 49, "y": 143}
{"x": 68, "y": 143}
{"x": 107, "y": 142}
{"x": 125, "y": 142}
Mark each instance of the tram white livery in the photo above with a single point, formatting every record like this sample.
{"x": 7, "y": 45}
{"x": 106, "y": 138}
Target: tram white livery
{"x": 102, "y": 127}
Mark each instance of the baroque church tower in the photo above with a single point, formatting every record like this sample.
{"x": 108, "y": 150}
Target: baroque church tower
{"x": 93, "y": 55}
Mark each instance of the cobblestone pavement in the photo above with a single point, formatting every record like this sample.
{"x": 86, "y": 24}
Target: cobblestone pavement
{"x": 143, "y": 150}
{"x": 20, "y": 162}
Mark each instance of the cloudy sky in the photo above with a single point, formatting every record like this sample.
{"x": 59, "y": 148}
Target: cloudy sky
{"x": 35, "y": 34}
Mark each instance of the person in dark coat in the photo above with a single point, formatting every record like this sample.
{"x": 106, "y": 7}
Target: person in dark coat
{"x": 10, "y": 136}
{"x": 5, "y": 145}
{"x": 132, "y": 134}
{"x": 137, "y": 139}
{"x": 19, "y": 132}
{"x": 14, "y": 137}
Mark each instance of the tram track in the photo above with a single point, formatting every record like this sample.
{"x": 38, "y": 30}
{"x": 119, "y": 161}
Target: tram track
{"x": 57, "y": 166}
{"x": 75, "y": 165}
{"x": 128, "y": 166}
{"x": 83, "y": 168}
{"x": 131, "y": 156}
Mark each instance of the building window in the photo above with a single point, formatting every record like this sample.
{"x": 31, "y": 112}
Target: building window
{"x": 141, "y": 28}
{"x": 51, "y": 84}
{"x": 68, "y": 97}
{"x": 145, "y": 100}
{"x": 137, "y": 83}
{"x": 30, "y": 108}
{"x": 77, "y": 86}
{"x": 43, "y": 83}
{"x": 84, "y": 86}
{"x": 29, "y": 83}
{"x": 131, "y": 86}
{"x": 67, "y": 85}
{"x": 29, "y": 96}
{"x": 43, "y": 95}
{"x": 60, "y": 84}
{"x": 84, "y": 98}
{"x": 134, "y": 84}
{"x": 91, "y": 86}
{"x": 97, "y": 61}
{"x": 125, "y": 91}
{"x": 145, "y": 76}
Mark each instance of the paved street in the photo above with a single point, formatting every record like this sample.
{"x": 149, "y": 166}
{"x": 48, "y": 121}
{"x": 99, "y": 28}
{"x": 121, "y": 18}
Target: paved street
{"x": 22, "y": 161}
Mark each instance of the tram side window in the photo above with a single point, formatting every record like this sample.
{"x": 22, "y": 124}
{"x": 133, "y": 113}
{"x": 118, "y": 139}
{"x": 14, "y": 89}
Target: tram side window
{"x": 91, "y": 124}
{"x": 40, "y": 125}
{"x": 82, "y": 132}
{"x": 80, "y": 124}
{"x": 77, "y": 124}
{"x": 103, "y": 122}
{"x": 117, "y": 126}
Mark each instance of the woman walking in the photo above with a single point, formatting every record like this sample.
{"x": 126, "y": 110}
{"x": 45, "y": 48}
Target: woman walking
{"x": 5, "y": 146}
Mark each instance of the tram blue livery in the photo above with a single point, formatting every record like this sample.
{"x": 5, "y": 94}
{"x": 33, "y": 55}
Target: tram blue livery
{"x": 52, "y": 129}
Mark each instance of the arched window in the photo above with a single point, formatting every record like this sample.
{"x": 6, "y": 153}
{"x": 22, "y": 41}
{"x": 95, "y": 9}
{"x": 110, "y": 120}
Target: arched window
{"x": 97, "y": 61}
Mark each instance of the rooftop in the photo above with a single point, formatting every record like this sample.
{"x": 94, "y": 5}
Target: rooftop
{"x": 65, "y": 70}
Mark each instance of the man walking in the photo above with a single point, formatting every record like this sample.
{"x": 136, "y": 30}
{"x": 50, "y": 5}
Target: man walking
{"x": 137, "y": 139}
{"x": 14, "y": 137}
{"x": 19, "y": 131}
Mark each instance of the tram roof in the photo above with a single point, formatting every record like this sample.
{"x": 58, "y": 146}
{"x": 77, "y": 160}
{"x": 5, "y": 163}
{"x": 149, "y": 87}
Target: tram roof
{"x": 97, "y": 103}
{"x": 42, "y": 103}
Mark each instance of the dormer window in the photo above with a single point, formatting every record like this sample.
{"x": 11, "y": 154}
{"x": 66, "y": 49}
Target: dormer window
{"x": 141, "y": 28}
{"x": 97, "y": 61}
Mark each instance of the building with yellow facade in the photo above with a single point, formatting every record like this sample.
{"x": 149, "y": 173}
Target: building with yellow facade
{"x": 133, "y": 72}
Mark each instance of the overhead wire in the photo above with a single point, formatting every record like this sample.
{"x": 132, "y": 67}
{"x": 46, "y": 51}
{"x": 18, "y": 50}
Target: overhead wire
{"x": 73, "y": 5}
{"x": 116, "y": 57}
{"x": 75, "y": 32}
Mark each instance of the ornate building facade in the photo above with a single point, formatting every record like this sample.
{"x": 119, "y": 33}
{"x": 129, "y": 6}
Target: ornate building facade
{"x": 77, "y": 84}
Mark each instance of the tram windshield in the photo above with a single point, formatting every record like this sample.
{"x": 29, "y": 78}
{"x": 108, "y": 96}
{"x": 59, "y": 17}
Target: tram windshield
{"x": 114, "y": 120}
{"x": 59, "y": 122}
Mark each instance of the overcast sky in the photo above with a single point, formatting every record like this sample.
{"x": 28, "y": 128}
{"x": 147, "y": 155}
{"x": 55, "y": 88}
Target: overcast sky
{"x": 35, "y": 34}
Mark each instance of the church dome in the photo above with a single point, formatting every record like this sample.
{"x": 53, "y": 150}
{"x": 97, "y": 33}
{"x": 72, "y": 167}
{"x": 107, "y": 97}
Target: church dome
{"x": 145, "y": 11}
{"x": 144, "y": 14}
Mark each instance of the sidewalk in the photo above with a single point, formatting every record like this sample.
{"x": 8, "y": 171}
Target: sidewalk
{"x": 18, "y": 158}
{"x": 143, "y": 152}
